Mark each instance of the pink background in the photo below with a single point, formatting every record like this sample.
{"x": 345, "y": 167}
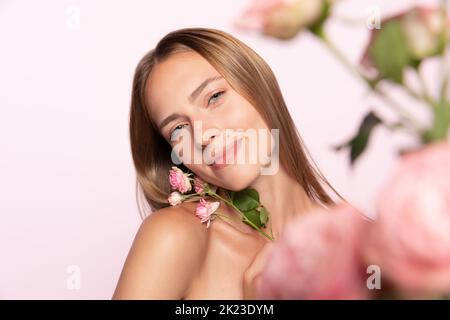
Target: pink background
{"x": 67, "y": 180}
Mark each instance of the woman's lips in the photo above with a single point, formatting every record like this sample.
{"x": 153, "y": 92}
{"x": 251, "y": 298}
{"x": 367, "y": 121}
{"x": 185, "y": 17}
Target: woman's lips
{"x": 224, "y": 158}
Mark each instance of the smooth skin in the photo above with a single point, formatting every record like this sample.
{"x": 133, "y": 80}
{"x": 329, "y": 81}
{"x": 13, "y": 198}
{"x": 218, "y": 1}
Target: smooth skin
{"x": 173, "y": 255}
{"x": 167, "y": 252}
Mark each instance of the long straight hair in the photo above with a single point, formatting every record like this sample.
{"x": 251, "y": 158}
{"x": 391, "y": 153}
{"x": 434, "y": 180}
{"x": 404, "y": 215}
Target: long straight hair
{"x": 251, "y": 77}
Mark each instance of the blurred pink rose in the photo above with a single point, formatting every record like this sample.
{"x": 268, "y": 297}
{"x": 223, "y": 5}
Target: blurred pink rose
{"x": 410, "y": 240}
{"x": 318, "y": 257}
{"x": 281, "y": 19}
{"x": 421, "y": 29}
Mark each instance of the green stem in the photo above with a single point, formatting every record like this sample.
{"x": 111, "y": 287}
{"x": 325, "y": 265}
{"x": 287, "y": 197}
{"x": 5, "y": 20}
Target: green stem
{"x": 398, "y": 125}
{"x": 404, "y": 115}
{"x": 242, "y": 215}
{"x": 271, "y": 233}
{"x": 343, "y": 59}
{"x": 188, "y": 196}
{"x": 425, "y": 96}
{"x": 444, "y": 88}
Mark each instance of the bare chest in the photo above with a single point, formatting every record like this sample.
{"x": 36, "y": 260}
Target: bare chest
{"x": 229, "y": 254}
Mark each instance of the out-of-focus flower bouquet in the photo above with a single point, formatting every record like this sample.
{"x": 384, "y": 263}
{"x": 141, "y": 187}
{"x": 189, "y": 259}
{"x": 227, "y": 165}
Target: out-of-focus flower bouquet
{"x": 337, "y": 253}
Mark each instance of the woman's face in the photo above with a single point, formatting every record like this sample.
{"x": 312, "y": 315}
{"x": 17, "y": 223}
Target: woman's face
{"x": 188, "y": 98}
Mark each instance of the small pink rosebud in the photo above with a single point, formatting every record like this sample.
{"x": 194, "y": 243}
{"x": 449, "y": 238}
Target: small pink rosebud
{"x": 201, "y": 186}
{"x": 179, "y": 180}
{"x": 205, "y": 209}
{"x": 175, "y": 198}
{"x": 198, "y": 185}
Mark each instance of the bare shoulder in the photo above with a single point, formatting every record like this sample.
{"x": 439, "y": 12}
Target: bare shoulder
{"x": 174, "y": 223}
{"x": 176, "y": 227}
{"x": 167, "y": 251}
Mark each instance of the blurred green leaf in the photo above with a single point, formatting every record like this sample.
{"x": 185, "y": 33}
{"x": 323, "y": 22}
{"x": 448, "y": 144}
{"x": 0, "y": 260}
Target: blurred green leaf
{"x": 390, "y": 53}
{"x": 359, "y": 143}
{"x": 441, "y": 123}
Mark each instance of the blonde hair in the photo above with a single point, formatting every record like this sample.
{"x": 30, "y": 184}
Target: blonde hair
{"x": 250, "y": 76}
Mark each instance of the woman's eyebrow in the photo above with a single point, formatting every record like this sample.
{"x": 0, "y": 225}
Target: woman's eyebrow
{"x": 202, "y": 86}
{"x": 192, "y": 97}
{"x": 167, "y": 120}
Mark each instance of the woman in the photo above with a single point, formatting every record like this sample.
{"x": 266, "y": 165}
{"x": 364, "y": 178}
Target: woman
{"x": 206, "y": 76}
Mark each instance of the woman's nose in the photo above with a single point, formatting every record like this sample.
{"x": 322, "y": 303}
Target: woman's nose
{"x": 207, "y": 141}
{"x": 203, "y": 135}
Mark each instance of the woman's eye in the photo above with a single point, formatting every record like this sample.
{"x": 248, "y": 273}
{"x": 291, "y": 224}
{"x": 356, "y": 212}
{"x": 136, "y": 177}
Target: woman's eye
{"x": 177, "y": 128}
{"x": 215, "y": 97}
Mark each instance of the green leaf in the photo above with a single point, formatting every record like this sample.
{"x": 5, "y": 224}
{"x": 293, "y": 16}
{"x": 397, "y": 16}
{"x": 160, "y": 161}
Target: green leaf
{"x": 441, "y": 123}
{"x": 246, "y": 200}
{"x": 318, "y": 26}
{"x": 359, "y": 143}
{"x": 254, "y": 217}
{"x": 253, "y": 193}
{"x": 389, "y": 52}
{"x": 263, "y": 215}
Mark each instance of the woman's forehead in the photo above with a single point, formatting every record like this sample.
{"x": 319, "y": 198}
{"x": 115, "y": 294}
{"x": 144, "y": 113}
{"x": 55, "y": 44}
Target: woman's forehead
{"x": 173, "y": 80}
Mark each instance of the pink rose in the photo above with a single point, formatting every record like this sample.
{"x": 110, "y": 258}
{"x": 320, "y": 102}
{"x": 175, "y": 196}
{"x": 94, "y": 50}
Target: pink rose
{"x": 201, "y": 186}
{"x": 410, "y": 240}
{"x": 282, "y": 19}
{"x": 175, "y": 198}
{"x": 423, "y": 27}
{"x": 420, "y": 37}
{"x": 205, "y": 209}
{"x": 318, "y": 257}
{"x": 179, "y": 180}
{"x": 198, "y": 185}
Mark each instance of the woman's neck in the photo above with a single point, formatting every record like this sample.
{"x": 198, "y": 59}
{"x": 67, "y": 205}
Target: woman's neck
{"x": 283, "y": 197}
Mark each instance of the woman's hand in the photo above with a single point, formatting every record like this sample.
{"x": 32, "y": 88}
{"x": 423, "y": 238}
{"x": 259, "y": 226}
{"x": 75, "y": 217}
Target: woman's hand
{"x": 252, "y": 274}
